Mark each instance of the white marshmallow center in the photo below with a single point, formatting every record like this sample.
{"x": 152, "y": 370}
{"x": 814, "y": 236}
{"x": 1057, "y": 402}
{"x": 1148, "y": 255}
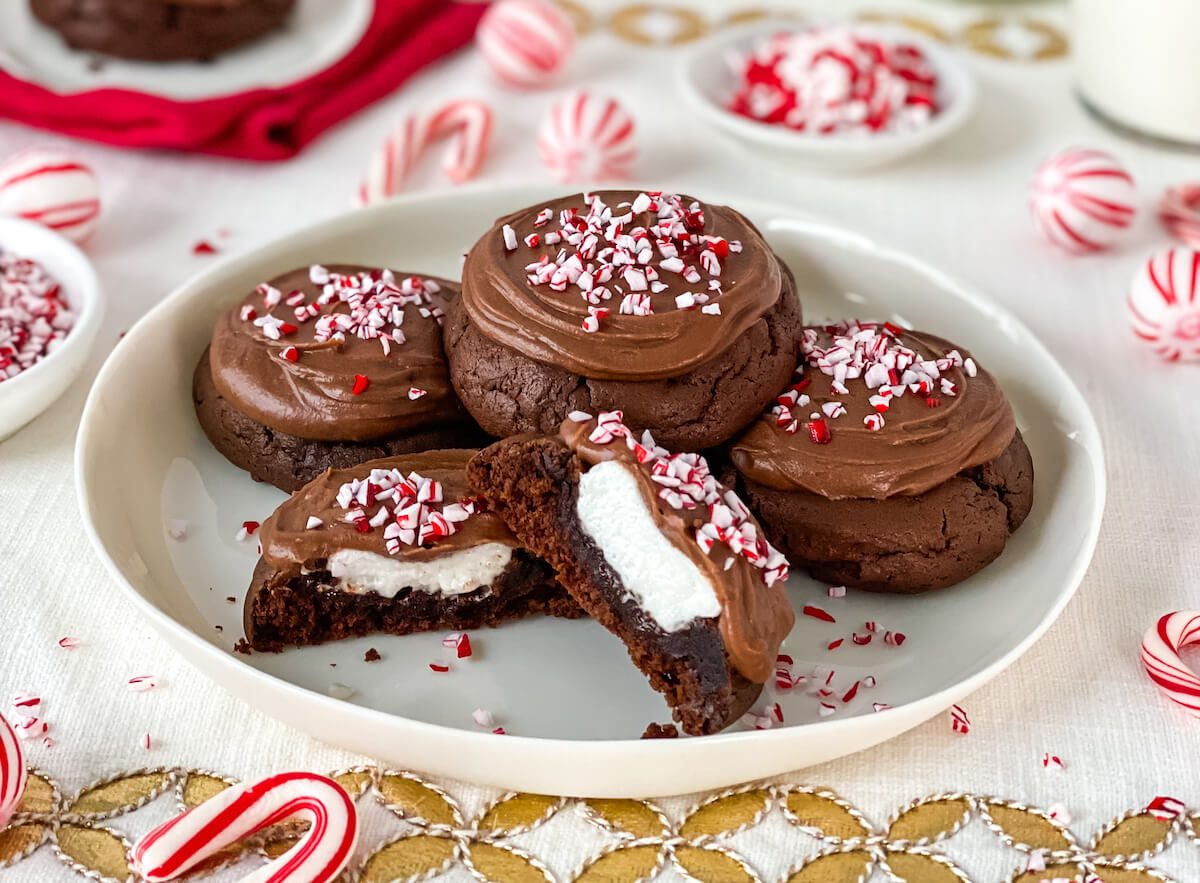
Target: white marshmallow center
{"x": 660, "y": 578}
{"x": 456, "y": 573}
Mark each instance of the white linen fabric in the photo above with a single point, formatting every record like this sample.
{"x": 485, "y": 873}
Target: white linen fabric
{"x": 1080, "y": 693}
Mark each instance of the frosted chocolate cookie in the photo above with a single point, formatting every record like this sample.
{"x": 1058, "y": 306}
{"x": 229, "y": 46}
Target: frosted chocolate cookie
{"x": 654, "y": 548}
{"x": 674, "y": 311}
{"x": 892, "y": 462}
{"x": 328, "y": 367}
{"x": 395, "y": 546}
{"x": 162, "y": 30}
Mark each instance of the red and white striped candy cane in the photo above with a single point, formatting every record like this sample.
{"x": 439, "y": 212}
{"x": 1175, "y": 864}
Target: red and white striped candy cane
{"x": 173, "y": 848}
{"x": 1160, "y": 655}
{"x": 12, "y": 772}
{"x": 468, "y": 123}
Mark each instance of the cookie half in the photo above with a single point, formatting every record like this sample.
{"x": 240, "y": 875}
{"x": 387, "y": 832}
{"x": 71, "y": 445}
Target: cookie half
{"x": 327, "y": 367}
{"x": 673, "y": 311}
{"x": 162, "y": 30}
{"x": 892, "y": 462}
{"x": 395, "y": 546}
{"x": 657, "y": 551}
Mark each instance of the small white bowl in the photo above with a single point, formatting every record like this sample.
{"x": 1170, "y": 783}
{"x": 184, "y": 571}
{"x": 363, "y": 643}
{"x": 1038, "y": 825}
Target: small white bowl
{"x": 706, "y": 80}
{"x": 32, "y": 391}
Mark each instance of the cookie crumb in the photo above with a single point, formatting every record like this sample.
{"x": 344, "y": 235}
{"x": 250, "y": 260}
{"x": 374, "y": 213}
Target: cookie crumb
{"x": 231, "y": 599}
{"x": 243, "y": 647}
{"x": 372, "y": 655}
{"x": 661, "y": 731}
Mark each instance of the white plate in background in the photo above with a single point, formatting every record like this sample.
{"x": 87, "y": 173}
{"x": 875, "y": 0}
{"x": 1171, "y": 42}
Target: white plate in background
{"x": 565, "y": 691}
{"x": 317, "y": 34}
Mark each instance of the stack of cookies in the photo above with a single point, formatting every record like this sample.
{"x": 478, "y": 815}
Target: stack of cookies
{"x": 663, "y": 435}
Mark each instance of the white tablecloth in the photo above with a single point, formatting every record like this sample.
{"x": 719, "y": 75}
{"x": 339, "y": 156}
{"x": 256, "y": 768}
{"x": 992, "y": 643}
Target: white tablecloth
{"x": 1079, "y": 693}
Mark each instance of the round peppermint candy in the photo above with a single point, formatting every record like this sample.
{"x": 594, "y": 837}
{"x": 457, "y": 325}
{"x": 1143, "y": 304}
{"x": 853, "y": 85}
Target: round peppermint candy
{"x": 525, "y": 42}
{"x": 587, "y": 137}
{"x": 1164, "y": 304}
{"x": 52, "y": 187}
{"x": 1083, "y": 200}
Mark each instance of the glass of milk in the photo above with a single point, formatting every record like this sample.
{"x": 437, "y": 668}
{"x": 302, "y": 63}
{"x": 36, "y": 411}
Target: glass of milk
{"x": 1137, "y": 65}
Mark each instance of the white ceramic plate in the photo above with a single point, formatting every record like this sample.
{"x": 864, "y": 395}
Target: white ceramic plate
{"x": 571, "y": 702}
{"x": 317, "y": 35}
{"x": 705, "y": 78}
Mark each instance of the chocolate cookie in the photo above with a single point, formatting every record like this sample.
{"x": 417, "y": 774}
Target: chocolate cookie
{"x": 657, "y": 551}
{"x": 326, "y": 368}
{"x": 892, "y": 464}
{"x": 391, "y": 546}
{"x": 161, "y": 30}
{"x": 676, "y": 313}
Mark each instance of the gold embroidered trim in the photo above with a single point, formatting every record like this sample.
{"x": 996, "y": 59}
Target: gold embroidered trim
{"x": 645, "y": 839}
{"x": 629, "y": 23}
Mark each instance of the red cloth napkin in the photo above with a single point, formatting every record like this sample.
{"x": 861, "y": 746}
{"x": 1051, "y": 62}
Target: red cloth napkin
{"x": 263, "y": 124}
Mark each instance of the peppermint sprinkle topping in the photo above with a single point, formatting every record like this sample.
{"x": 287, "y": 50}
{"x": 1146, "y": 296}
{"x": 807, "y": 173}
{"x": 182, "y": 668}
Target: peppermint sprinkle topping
{"x": 409, "y": 509}
{"x": 34, "y": 318}
{"x": 604, "y": 255}
{"x": 368, "y": 305}
{"x": 874, "y": 354}
{"x": 686, "y": 484}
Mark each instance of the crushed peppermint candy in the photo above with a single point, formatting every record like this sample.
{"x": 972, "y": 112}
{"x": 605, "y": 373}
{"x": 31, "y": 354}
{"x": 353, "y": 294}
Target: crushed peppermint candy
{"x": 142, "y": 683}
{"x": 459, "y": 642}
{"x": 370, "y": 305}
{"x": 686, "y": 484}
{"x": 34, "y": 316}
{"x": 483, "y": 718}
{"x": 177, "y": 529}
{"x": 873, "y": 353}
{"x": 1053, "y": 762}
{"x": 817, "y": 613}
{"x": 341, "y": 691}
{"x": 840, "y": 80}
{"x": 959, "y": 722}
{"x": 1166, "y": 809}
{"x": 68, "y": 643}
{"x": 410, "y": 509}
{"x": 628, "y": 255}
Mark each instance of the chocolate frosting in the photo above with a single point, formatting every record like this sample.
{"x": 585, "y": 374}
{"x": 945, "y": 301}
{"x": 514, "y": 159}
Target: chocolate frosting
{"x": 313, "y": 397}
{"x": 755, "y": 617}
{"x": 547, "y": 325}
{"x": 920, "y": 446}
{"x": 290, "y": 546}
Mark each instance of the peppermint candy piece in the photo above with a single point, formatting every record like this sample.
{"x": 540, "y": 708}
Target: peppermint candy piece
{"x": 587, "y": 137}
{"x": 1179, "y": 211}
{"x": 175, "y": 847}
{"x": 12, "y": 772}
{"x": 525, "y": 42}
{"x": 466, "y": 123}
{"x": 1164, "y": 304}
{"x": 1083, "y": 200}
{"x": 1160, "y": 656}
{"x": 52, "y": 187}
